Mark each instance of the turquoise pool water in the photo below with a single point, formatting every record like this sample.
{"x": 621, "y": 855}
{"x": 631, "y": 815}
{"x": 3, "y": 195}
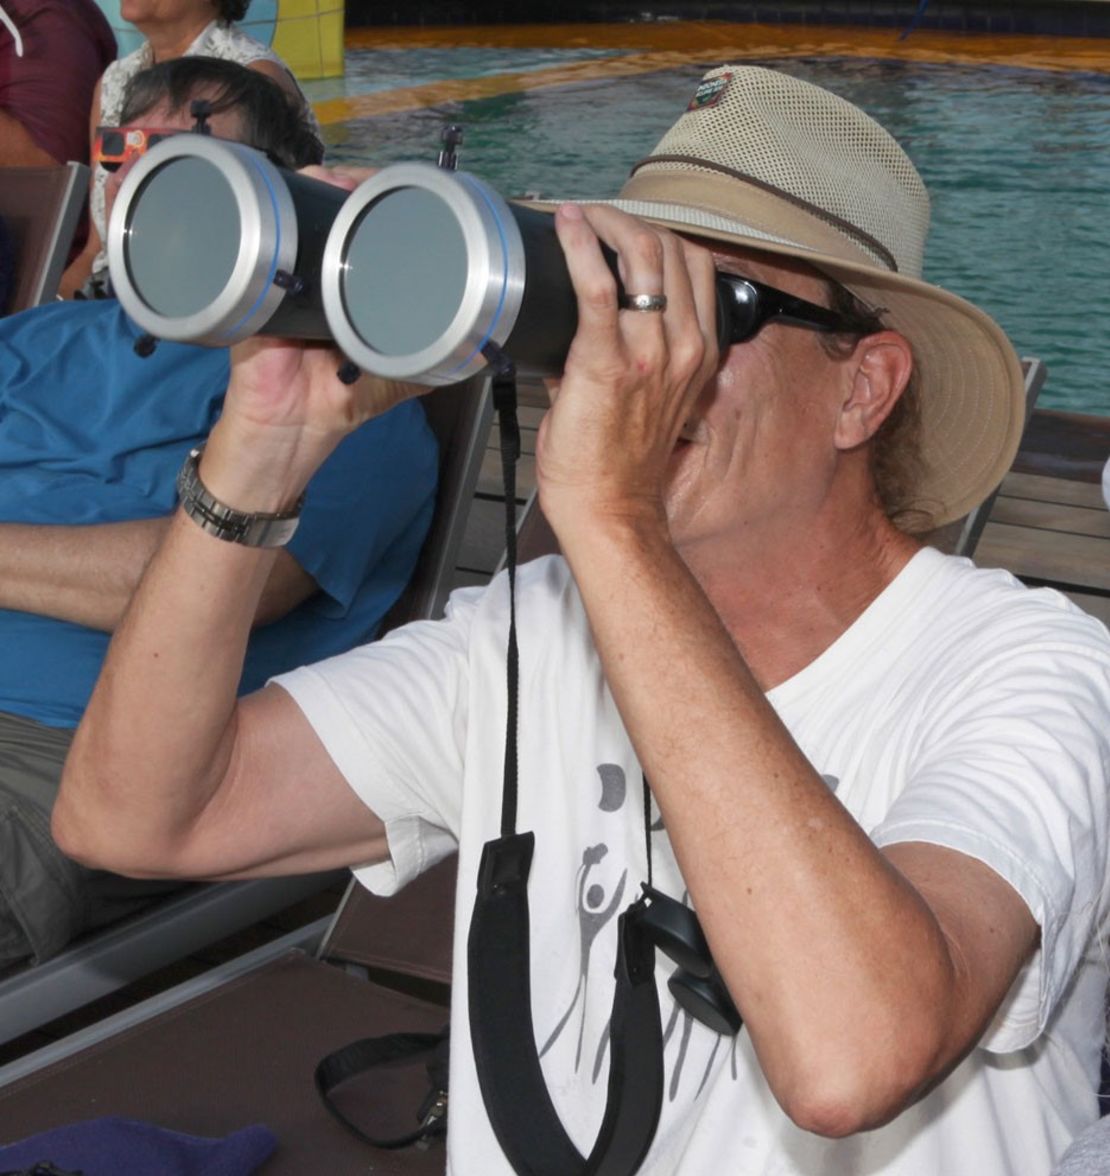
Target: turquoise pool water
{"x": 1017, "y": 161}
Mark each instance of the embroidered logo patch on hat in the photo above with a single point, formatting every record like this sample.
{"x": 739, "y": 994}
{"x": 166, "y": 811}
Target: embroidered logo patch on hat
{"x": 710, "y": 91}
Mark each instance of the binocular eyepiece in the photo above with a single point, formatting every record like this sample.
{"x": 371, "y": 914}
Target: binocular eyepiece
{"x": 418, "y": 274}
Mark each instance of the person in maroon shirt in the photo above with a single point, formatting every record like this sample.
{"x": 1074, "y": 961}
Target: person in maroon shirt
{"x": 52, "y": 52}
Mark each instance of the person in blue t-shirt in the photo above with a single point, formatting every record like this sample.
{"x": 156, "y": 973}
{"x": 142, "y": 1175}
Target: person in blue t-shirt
{"x": 91, "y": 440}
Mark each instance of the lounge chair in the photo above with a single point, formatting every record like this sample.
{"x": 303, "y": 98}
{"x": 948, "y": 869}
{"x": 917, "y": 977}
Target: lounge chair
{"x": 1050, "y": 525}
{"x": 241, "y": 1038}
{"x": 41, "y": 207}
{"x": 239, "y": 1045}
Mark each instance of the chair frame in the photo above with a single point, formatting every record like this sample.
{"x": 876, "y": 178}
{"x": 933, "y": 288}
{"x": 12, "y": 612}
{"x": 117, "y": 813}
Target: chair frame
{"x": 41, "y": 207}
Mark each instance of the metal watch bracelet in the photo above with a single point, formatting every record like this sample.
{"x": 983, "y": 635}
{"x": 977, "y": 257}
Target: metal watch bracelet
{"x": 225, "y": 522}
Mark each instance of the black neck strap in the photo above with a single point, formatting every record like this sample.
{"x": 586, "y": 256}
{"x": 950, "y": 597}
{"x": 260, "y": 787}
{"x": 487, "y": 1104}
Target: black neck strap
{"x": 505, "y": 402}
{"x": 502, "y": 1031}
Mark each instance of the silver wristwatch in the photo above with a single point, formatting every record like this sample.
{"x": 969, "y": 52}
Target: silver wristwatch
{"x": 225, "y": 522}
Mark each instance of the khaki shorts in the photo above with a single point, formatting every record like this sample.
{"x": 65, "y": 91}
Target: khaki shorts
{"x": 45, "y": 898}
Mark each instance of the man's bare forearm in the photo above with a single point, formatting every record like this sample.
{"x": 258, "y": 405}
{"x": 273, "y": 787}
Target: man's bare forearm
{"x": 82, "y": 574}
{"x": 170, "y": 773}
{"x": 88, "y": 574}
{"x": 156, "y": 738}
{"x": 841, "y": 969}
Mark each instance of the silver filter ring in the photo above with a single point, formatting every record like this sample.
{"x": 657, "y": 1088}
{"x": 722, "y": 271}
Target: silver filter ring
{"x": 381, "y": 258}
{"x": 237, "y": 229}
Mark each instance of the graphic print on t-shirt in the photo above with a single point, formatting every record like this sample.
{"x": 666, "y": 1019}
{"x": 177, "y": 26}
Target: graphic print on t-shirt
{"x": 598, "y": 901}
{"x": 599, "y": 898}
{"x": 594, "y": 912}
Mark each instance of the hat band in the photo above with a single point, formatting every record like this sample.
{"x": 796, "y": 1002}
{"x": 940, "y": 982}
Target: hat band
{"x": 865, "y": 239}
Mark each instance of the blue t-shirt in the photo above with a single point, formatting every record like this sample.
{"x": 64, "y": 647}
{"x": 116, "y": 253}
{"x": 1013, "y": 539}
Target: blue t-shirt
{"x": 92, "y": 433}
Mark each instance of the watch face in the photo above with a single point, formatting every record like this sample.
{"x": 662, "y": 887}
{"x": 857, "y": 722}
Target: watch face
{"x": 187, "y": 476}
{"x": 234, "y": 526}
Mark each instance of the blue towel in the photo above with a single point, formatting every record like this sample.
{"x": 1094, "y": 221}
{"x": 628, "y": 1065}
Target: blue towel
{"x": 107, "y": 1147}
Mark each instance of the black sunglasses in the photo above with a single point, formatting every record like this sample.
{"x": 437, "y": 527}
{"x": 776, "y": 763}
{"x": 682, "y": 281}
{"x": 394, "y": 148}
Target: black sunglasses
{"x": 747, "y": 306}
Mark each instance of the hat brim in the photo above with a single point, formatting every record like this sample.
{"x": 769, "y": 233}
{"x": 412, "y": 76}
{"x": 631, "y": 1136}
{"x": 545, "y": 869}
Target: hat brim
{"x": 972, "y": 390}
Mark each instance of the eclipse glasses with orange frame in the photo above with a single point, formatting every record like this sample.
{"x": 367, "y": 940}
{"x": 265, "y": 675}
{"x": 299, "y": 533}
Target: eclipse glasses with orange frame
{"x": 115, "y": 146}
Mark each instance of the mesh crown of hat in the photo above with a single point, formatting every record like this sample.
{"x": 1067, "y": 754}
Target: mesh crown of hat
{"x": 817, "y": 148}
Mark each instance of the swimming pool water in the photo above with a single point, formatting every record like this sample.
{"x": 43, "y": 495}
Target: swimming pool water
{"x": 1017, "y": 162}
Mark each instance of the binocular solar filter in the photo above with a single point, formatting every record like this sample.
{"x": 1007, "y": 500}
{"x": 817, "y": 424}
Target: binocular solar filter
{"x": 428, "y": 272}
{"x": 405, "y": 273}
{"x": 178, "y": 209}
{"x": 210, "y": 242}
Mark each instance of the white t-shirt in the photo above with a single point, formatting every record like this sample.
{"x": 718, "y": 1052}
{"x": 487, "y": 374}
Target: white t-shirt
{"x": 960, "y": 709}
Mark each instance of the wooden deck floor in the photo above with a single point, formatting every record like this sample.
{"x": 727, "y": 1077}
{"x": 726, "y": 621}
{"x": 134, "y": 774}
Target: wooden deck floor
{"x": 1048, "y": 525}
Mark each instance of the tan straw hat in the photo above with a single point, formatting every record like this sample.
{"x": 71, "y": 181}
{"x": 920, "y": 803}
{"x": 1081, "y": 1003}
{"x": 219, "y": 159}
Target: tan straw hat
{"x": 763, "y": 159}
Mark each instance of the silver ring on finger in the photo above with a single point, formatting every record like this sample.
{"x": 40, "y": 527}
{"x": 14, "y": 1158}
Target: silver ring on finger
{"x": 649, "y": 302}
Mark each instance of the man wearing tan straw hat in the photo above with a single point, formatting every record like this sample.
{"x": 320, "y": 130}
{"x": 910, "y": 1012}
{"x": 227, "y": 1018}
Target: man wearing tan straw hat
{"x": 877, "y": 774}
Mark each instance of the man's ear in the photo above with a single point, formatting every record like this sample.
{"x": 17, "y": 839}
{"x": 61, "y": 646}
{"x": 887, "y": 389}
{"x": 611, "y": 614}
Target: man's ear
{"x": 878, "y": 370}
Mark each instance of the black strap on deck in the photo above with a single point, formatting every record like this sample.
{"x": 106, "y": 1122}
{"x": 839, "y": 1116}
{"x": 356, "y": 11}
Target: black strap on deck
{"x": 395, "y": 1049}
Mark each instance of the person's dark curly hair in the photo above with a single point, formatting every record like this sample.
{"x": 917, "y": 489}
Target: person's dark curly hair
{"x": 229, "y": 11}
{"x": 271, "y": 120}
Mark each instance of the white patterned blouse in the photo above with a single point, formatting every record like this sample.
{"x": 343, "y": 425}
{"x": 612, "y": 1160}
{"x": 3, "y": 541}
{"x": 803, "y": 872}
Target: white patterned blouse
{"x": 216, "y": 40}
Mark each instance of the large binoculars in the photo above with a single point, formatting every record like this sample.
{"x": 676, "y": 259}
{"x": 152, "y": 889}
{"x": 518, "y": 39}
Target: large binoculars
{"x": 422, "y": 273}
